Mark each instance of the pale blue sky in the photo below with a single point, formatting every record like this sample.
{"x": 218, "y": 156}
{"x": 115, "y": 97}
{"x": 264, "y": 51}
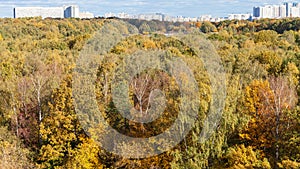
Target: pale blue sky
{"x": 191, "y": 8}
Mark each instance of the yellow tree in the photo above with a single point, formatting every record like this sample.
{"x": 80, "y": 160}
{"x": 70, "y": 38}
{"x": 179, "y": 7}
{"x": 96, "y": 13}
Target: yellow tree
{"x": 59, "y": 129}
{"x": 245, "y": 157}
{"x": 258, "y": 96}
{"x": 13, "y": 155}
{"x": 266, "y": 103}
{"x": 285, "y": 98}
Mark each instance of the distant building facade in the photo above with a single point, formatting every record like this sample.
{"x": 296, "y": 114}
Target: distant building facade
{"x": 284, "y": 10}
{"x": 44, "y": 12}
{"x": 149, "y": 17}
{"x": 71, "y": 11}
{"x": 295, "y": 10}
{"x": 86, "y": 15}
{"x": 239, "y": 16}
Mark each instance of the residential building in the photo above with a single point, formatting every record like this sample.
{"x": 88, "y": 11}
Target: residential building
{"x": 44, "y": 12}
{"x": 282, "y": 11}
{"x": 257, "y": 11}
{"x": 71, "y": 11}
{"x": 288, "y": 6}
{"x": 239, "y": 16}
{"x": 86, "y": 15}
{"x": 287, "y": 9}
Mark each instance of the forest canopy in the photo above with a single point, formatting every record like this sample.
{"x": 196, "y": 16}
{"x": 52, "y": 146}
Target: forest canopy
{"x": 260, "y": 122}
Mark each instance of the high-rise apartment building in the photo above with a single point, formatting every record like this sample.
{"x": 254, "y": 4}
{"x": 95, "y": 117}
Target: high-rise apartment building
{"x": 277, "y": 11}
{"x": 282, "y": 11}
{"x": 295, "y": 10}
{"x": 44, "y": 12}
{"x": 239, "y": 16}
{"x": 257, "y": 11}
{"x": 71, "y": 11}
{"x": 288, "y": 6}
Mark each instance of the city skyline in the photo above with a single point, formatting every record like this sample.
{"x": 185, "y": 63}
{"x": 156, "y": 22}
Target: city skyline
{"x": 190, "y": 8}
{"x": 277, "y": 11}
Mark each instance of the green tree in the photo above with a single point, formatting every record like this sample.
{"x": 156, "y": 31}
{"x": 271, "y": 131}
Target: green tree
{"x": 207, "y": 27}
{"x": 145, "y": 28}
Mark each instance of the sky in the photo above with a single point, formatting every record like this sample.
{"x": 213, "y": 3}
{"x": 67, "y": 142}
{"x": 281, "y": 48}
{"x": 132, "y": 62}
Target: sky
{"x": 188, "y": 8}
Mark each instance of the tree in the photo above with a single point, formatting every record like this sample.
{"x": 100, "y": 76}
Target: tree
{"x": 145, "y": 28}
{"x": 258, "y": 97}
{"x": 245, "y": 157}
{"x": 266, "y": 103}
{"x": 288, "y": 164}
{"x": 266, "y": 36}
{"x": 59, "y": 129}
{"x": 285, "y": 98}
{"x": 198, "y": 24}
{"x": 13, "y": 155}
{"x": 86, "y": 155}
{"x": 207, "y": 27}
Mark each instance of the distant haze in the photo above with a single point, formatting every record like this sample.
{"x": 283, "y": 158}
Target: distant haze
{"x": 193, "y": 8}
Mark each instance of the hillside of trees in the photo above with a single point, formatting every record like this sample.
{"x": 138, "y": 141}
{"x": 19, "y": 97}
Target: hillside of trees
{"x": 260, "y": 122}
